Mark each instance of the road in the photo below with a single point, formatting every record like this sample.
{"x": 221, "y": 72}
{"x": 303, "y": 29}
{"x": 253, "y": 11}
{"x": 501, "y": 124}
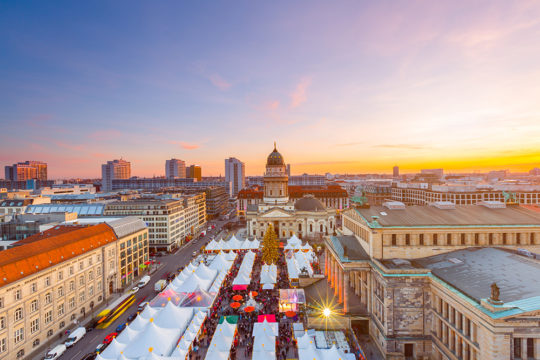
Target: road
{"x": 170, "y": 263}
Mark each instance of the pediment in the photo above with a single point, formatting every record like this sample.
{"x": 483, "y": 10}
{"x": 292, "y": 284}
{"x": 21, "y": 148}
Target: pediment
{"x": 276, "y": 213}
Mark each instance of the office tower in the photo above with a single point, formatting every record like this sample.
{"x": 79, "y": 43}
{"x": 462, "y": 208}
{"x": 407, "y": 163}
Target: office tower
{"x": 175, "y": 168}
{"x": 235, "y": 174}
{"x": 289, "y": 170}
{"x": 116, "y": 169}
{"x": 195, "y": 172}
{"x": 27, "y": 170}
{"x": 396, "y": 171}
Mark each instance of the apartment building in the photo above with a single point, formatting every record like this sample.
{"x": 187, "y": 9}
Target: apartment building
{"x": 165, "y": 220}
{"x": 56, "y": 277}
{"x": 217, "y": 201}
{"x": 115, "y": 169}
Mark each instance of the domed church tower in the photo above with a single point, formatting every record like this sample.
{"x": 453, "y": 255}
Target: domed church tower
{"x": 276, "y": 189}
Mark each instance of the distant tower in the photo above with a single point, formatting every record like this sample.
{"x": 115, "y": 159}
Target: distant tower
{"x": 175, "y": 168}
{"x": 396, "y": 171}
{"x": 289, "y": 170}
{"x": 194, "y": 171}
{"x": 276, "y": 189}
{"x": 116, "y": 169}
{"x": 235, "y": 174}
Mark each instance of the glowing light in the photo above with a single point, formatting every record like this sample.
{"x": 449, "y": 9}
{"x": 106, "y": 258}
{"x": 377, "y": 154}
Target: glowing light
{"x": 327, "y": 312}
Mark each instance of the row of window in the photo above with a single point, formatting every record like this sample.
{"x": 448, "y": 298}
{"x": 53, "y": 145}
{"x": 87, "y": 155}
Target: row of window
{"x": 463, "y": 239}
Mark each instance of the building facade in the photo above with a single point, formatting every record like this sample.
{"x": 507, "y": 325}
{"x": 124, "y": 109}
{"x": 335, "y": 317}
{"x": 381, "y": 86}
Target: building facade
{"x": 235, "y": 173}
{"x": 53, "y": 279}
{"x": 165, "y": 220}
{"x": 115, "y": 169}
{"x": 175, "y": 168}
{"x": 26, "y": 171}
{"x": 217, "y": 201}
{"x": 306, "y": 217}
{"x": 442, "y": 281}
{"x": 194, "y": 172}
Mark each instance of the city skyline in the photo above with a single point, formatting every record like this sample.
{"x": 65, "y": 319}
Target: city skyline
{"x": 349, "y": 88}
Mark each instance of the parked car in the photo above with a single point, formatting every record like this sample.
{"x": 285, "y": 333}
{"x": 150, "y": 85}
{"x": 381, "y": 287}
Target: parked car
{"x": 56, "y": 352}
{"x": 135, "y": 289}
{"x": 109, "y": 338}
{"x": 144, "y": 280}
{"x": 90, "y": 356}
{"x": 120, "y": 327}
{"x": 100, "y": 348}
{"x": 75, "y": 336}
{"x": 131, "y": 317}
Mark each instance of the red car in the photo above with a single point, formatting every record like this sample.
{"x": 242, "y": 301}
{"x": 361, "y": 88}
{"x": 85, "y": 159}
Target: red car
{"x": 109, "y": 338}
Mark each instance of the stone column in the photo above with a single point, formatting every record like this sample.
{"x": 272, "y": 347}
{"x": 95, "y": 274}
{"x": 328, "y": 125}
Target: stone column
{"x": 336, "y": 278}
{"x": 339, "y": 288}
{"x": 524, "y": 348}
{"x": 345, "y": 293}
{"x": 326, "y": 262}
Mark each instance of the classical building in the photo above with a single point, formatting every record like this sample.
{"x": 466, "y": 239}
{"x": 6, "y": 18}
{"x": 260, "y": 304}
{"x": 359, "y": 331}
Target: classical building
{"x": 61, "y": 275}
{"x": 441, "y": 281}
{"x": 306, "y": 217}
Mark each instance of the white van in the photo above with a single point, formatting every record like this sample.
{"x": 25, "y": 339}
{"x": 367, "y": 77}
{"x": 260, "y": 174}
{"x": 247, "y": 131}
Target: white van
{"x": 75, "y": 336}
{"x": 144, "y": 280}
{"x": 56, "y": 352}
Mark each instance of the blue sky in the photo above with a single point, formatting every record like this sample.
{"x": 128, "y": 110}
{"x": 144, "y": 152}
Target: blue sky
{"x": 355, "y": 86}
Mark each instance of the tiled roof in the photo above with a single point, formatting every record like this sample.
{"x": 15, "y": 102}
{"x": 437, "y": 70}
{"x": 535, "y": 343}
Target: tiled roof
{"x": 49, "y": 248}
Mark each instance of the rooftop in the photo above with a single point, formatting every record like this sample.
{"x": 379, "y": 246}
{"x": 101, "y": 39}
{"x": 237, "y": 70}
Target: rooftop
{"x": 348, "y": 248}
{"x": 473, "y": 270}
{"x": 94, "y": 209}
{"x": 472, "y": 215}
{"x": 49, "y": 248}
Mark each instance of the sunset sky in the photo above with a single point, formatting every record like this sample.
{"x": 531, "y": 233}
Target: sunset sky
{"x": 346, "y": 86}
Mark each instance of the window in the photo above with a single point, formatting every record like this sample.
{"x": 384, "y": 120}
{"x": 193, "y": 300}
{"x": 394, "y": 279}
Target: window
{"x": 504, "y": 238}
{"x": 33, "y": 287}
{"x": 19, "y": 335}
{"x": 35, "y": 343}
{"x": 448, "y": 239}
{"x": 91, "y": 291}
{"x": 60, "y": 309}
{"x": 99, "y": 285}
{"x": 18, "y": 314}
{"x": 71, "y": 285}
{"x": 61, "y": 291}
{"x": 434, "y": 239}
{"x": 394, "y": 240}
{"x": 34, "y": 325}
{"x": 3, "y": 345}
{"x": 62, "y": 324}
{"x": 20, "y": 353}
{"x": 421, "y": 239}
{"x": 71, "y": 270}
{"x": 462, "y": 239}
{"x": 476, "y": 239}
{"x": 1, "y": 302}
{"x": 490, "y": 239}
{"x": 82, "y": 296}
{"x": 2, "y": 322}
{"x": 17, "y": 294}
{"x": 517, "y": 348}
{"x": 98, "y": 271}
{"x": 48, "y": 316}
{"x": 33, "y": 306}
{"x": 81, "y": 265}
{"x": 518, "y": 238}
{"x": 48, "y": 298}
{"x": 90, "y": 261}
{"x": 47, "y": 281}
{"x": 91, "y": 275}
{"x": 71, "y": 302}
{"x": 60, "y": 275}
{"x": 81, "y": 280}
{"x": 407, "y": 239}
{"x": 50, "y": 332}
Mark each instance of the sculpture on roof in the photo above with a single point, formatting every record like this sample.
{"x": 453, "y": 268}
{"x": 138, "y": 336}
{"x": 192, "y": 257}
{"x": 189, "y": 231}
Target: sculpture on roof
{"x": 495, "y": 293}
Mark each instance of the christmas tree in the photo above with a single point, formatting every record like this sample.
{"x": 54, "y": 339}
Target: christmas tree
{"x": 270, "y": 246}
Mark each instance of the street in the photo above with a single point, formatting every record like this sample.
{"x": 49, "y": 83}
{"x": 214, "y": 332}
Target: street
{"x": 169, "y": 263}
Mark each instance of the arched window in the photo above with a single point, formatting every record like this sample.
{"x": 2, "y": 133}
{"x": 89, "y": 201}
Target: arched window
{"x": 321, "y": 226}
{"x": 299, "y": 227}
{"x": 310, "y": 227}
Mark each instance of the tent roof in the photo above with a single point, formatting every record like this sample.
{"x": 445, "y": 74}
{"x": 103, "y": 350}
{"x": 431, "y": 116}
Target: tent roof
{"x": 160, "y": 339}
{"x": 173, "y": 316}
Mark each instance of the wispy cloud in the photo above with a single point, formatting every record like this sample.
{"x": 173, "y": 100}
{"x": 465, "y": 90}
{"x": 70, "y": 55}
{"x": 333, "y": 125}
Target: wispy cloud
{"x": 402, "y": 146}
{"x": 349, "y": 144}
{"x": 218, "y": 81}
{"x": 185, "y": 145}
{"x": 298, "y": 96}
{"x": 71, "y": 147}
{"x": 105, "y": 134}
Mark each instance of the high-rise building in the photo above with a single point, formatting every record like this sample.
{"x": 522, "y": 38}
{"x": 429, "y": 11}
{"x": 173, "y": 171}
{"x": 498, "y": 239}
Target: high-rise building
{"x": 27, "y": 170}
{"x": 396, "y": 171}
{"x": 289, "y": 170}
{"x": 116, "y": 169}
{"x": 195, "y": 172}
{"x": 175, "y": 168}
{"x": 235, "y": 174}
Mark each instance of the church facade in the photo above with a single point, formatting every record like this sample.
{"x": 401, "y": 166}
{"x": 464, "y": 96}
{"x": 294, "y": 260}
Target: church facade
{"x": 306, "y": 217}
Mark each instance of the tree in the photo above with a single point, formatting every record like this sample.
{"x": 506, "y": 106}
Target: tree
{"x": 270, "y": 246}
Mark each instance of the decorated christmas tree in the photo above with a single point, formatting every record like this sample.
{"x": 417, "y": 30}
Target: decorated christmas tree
{"x": 270, "y": 246}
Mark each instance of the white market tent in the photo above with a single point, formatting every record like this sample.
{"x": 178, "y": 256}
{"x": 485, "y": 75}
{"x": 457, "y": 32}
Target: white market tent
{"x": 211, "y": 246}
{"x": 264, "y": 347}
{"x": 221, "y": 343}
{"x": 161, "y": 340}
{"x": 269, "y": 274}
{"x": 265, "y": 327}
{"x": 294, "y": 240}
{"x": 174, "y": 317}
{"x": 113, "y": 351}
{"x": 221, "y": 263}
